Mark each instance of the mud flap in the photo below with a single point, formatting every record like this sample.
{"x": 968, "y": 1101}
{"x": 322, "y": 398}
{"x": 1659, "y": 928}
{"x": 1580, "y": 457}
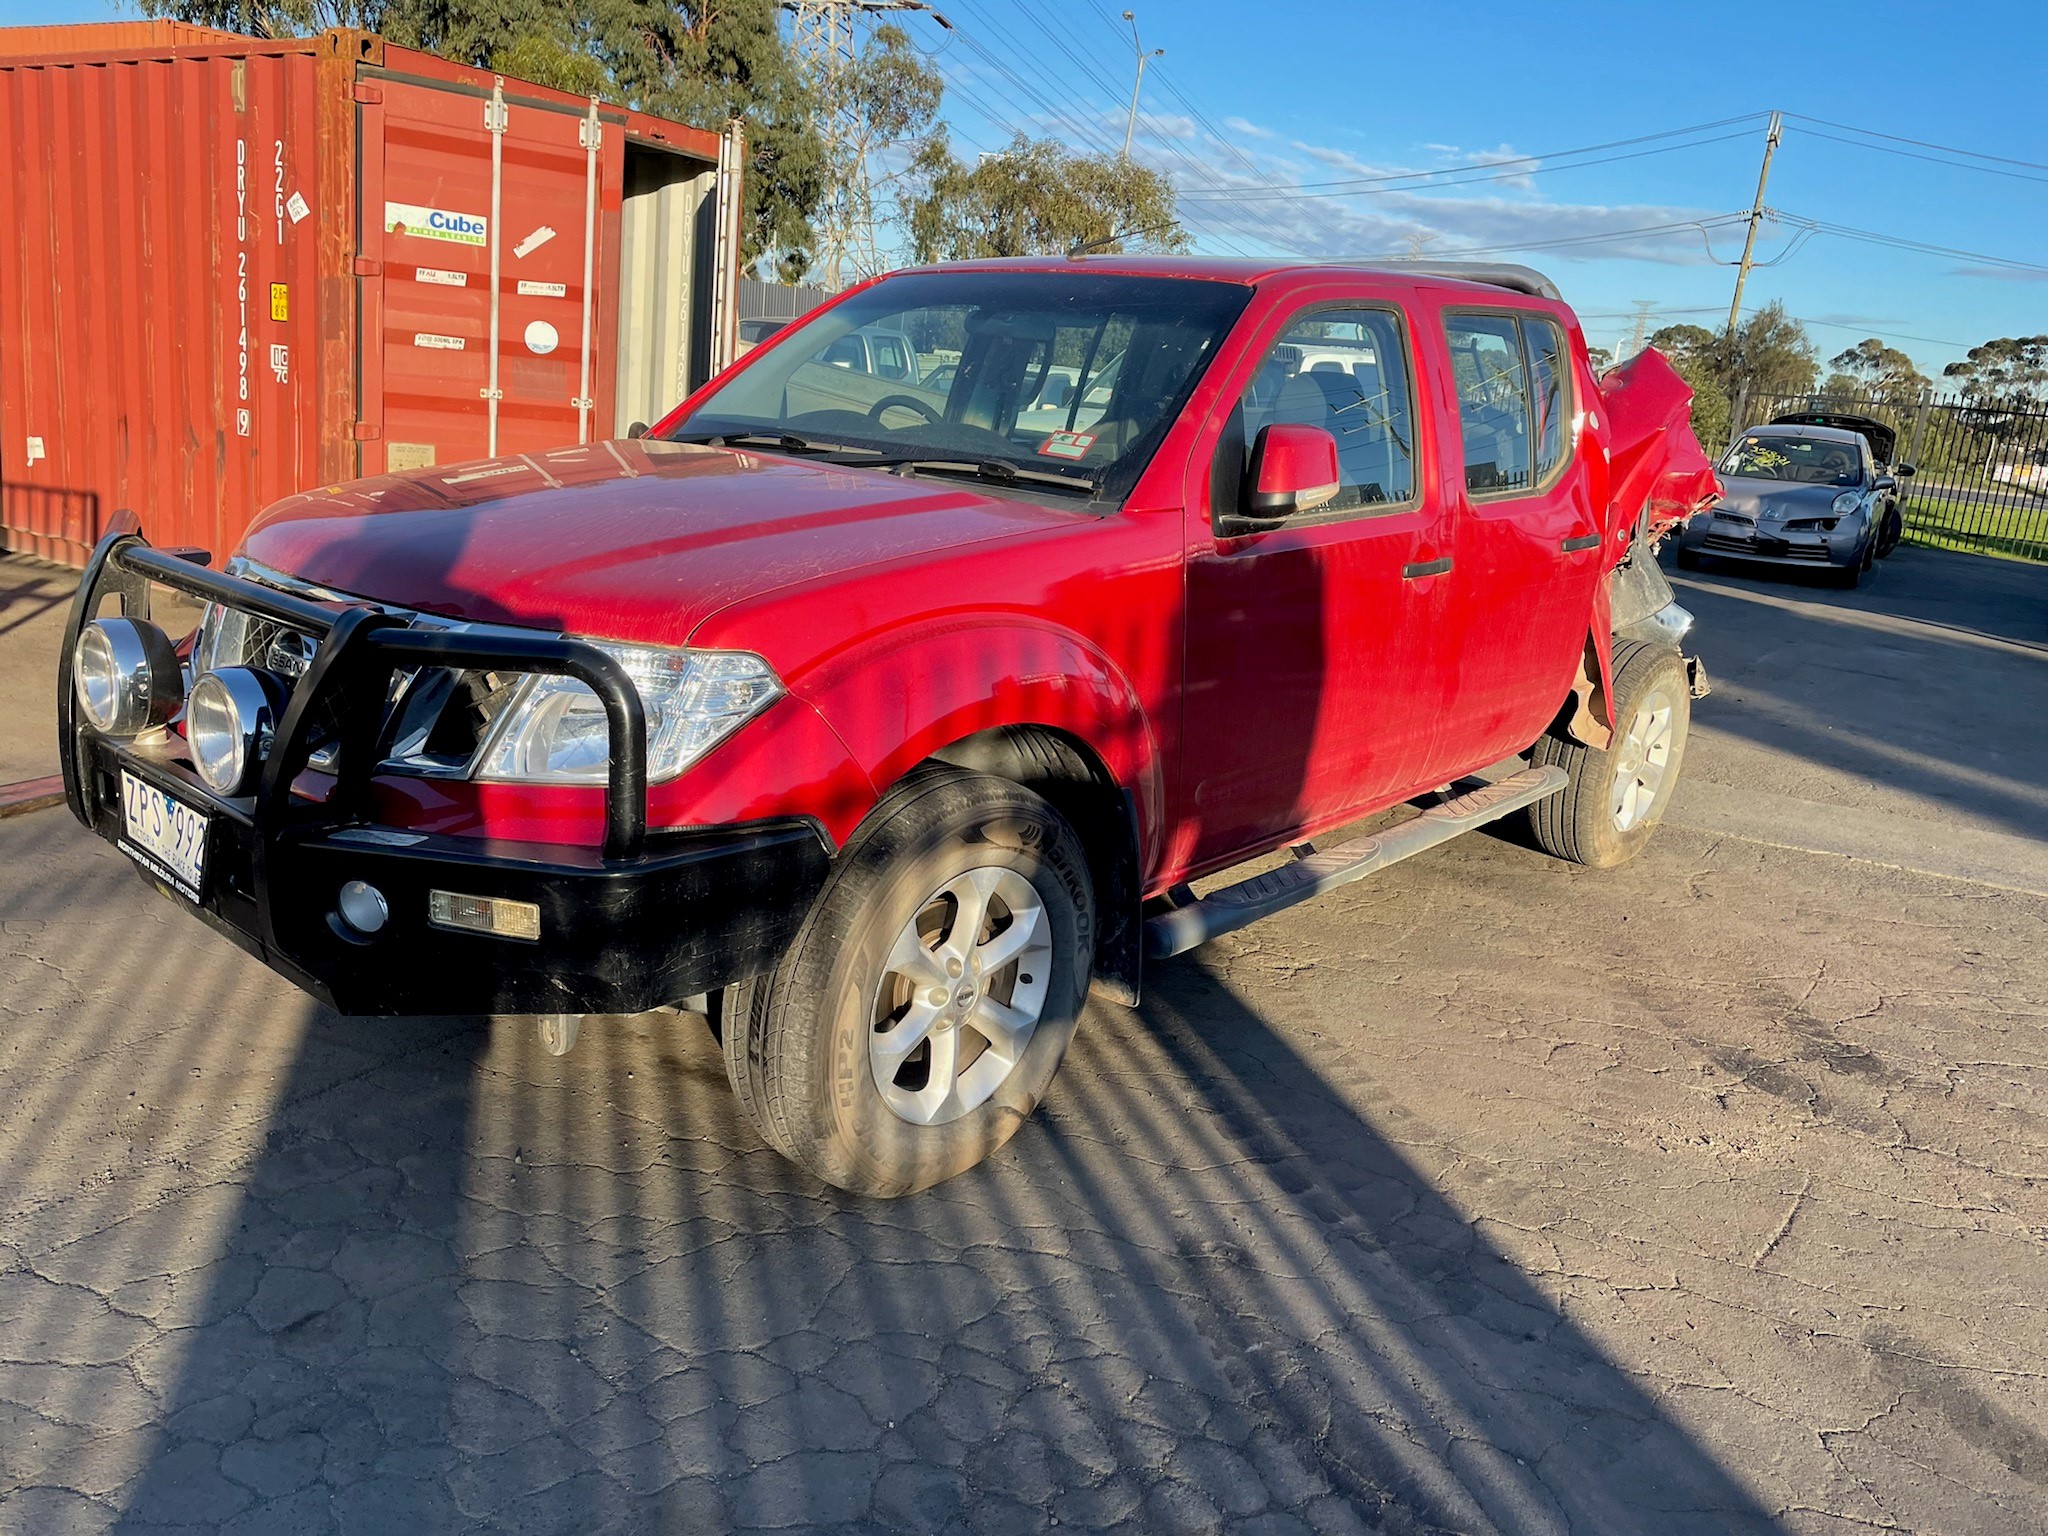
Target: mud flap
{"x": 1696, "y": 677}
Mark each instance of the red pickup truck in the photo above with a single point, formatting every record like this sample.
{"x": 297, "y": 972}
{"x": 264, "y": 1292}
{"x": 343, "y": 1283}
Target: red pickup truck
{"x": 882, "y": 712}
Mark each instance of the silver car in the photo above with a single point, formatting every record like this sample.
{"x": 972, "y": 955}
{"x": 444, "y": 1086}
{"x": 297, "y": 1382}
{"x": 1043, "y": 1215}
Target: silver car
{"x": 1795, "y": 495}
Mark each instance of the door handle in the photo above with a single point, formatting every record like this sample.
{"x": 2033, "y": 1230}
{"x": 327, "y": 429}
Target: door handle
{"x": 1583, "y": 541}
{"x": 1417, "y": 568}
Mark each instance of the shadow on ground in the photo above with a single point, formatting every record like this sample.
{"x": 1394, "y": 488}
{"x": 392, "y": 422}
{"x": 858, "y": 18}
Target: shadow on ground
{"x": 420, "y": 1276}
{"x": 1932, "y": 680}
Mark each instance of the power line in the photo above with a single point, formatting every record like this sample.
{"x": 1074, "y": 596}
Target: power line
{"x": 1909, "y": 154}
{"x": 1559, "y": 154}
{"x": 1974, "y": 154}
{"x": 1901, "y": 242}
{"x": 1465, "y": 180}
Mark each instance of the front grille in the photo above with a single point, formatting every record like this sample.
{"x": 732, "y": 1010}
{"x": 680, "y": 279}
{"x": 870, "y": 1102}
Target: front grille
{"x": 1739, "y": 518}
{"x": 1722, "y": 541}
{"x": 436, "y": 718}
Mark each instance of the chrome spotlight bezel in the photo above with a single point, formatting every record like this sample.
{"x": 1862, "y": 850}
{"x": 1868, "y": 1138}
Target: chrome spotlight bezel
{"x": 133, "y": 668}
{"x": 254, "y": 703}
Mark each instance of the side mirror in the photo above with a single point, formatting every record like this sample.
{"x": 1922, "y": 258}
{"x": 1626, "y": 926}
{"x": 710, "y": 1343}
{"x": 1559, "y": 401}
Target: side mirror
{"x": 638, "y": 429}
{"x": 1884, "y": 483}
{"x": 1293, "y": 470}
{"x": 1902, "y": 470}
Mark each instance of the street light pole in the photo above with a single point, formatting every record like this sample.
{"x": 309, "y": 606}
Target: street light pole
{"x": 1131, "y": 122}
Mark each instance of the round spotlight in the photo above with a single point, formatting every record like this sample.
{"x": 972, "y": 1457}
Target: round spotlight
{"x": 126, "y": 676}
{"x": 363, "y": 907}
{"x": 228, "y": 724}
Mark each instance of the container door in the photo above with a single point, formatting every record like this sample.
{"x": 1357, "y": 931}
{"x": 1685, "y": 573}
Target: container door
{"x": 450, "y": 199}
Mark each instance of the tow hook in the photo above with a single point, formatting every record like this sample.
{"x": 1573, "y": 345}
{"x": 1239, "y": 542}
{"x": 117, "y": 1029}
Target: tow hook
{"x": 1696, "y": 677}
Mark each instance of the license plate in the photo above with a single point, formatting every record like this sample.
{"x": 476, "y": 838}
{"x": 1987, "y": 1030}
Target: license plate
{"x": 163, "y": 835}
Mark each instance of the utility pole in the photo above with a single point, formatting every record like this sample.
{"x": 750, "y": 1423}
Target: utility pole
{"x": 1756, "y": 217}
{"x": 824, "y": 39}
{"x": 1131, "y": 122}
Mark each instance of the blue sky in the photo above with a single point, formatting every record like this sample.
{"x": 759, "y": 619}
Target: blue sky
{"x": 1257, "y": 100}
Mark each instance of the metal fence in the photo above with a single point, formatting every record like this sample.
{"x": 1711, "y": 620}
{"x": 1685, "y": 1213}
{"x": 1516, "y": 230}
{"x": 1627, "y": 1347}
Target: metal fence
{"x": 1980, "y": 480}
{"x": 778, "y": 301}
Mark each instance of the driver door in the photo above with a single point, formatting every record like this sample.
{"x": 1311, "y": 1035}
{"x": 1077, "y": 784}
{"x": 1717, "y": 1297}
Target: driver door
{"x": 1312, "y": 684}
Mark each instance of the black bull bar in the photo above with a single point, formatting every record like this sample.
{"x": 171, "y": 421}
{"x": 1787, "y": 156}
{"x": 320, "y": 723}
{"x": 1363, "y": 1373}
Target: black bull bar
{"x": 644, "y": 920}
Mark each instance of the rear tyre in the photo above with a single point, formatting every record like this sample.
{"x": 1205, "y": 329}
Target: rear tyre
{"x": 927, "y": 1001}
{"x": 1614, "y": 796}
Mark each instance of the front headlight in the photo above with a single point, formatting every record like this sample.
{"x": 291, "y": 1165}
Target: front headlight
{"x": 1847, "y": 502}
{"x": 555, "y": 730}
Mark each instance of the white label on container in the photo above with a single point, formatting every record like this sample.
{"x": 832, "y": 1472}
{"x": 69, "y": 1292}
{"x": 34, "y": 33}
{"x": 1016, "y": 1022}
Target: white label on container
{"x": 533, "y": 242}
{"x": 295, "y": 205}
{"x": 544, "y": 290}
{"x": 439, "y": 343}
{"x": 542, "y": 338}
{"x": 35, "y": 450}
{"x": 442, "y": 276}
{"x": 435, "y": 224}
{"x": 281, "y": 362}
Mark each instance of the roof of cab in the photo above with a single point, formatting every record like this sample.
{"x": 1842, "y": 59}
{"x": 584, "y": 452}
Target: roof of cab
{"x": 1219, "y": 269}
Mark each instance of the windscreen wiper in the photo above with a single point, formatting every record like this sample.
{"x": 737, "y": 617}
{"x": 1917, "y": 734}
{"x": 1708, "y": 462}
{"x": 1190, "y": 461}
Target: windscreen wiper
{"x": 788, "y": 442}
{"x": 999, "y": 471}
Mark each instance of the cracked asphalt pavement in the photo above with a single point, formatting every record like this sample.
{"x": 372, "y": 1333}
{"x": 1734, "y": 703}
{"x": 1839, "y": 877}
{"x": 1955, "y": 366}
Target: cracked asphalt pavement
{"x": 1491, "y": 1194}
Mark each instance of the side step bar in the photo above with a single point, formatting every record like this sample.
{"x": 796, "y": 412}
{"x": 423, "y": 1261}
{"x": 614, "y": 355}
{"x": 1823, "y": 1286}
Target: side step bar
{"x": 1235, "y": 906}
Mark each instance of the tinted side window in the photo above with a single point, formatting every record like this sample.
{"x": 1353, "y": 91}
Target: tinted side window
{"x": 1346, "y": 371}
{"x": 1549, "y": 392}
{"x": 1493, "y": 400}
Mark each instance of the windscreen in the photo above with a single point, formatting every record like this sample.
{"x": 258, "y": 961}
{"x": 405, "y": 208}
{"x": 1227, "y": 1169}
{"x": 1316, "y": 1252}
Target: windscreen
{"x": 1060, "y": 376}
{"x": 1803, "y": 460}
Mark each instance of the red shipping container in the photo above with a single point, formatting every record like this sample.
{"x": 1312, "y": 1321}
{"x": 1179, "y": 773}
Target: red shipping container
{"x": 238, "y": 267}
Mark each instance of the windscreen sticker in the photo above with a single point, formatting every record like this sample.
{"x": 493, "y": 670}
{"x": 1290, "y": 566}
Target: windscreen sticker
{"x": 543, "y": 290}
{"x": 438, "y": 343}
{"x": 442, "y": 276}
{"x": 1067, "y": 445}
{"x": 534, "y": 241}
{"x": 435, "y": 224}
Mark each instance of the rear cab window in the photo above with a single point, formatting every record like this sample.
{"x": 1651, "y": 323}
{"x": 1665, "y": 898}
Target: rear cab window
{"x": 1512, "y": 373}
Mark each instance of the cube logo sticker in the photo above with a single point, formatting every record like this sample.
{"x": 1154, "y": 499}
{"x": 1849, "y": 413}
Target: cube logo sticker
{"x": 436, "y": 224}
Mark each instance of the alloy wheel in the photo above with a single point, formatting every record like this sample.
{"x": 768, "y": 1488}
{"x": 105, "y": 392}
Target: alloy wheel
{"x": 960, "y": 995}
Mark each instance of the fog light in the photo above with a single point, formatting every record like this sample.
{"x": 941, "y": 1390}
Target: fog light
{"x": 126, "y": 676}
{"x": 228, "y": 725}
{"x": 484, "y": 914}
{"x": 362, "y": 907}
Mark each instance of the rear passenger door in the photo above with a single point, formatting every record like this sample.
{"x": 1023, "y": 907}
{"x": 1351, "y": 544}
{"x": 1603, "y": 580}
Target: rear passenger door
{"x": 1527, "y": 535}
{"x": 1312, "y": 687}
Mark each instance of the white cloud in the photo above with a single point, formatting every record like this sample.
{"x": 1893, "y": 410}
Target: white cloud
{"x": 1230, "y": 201}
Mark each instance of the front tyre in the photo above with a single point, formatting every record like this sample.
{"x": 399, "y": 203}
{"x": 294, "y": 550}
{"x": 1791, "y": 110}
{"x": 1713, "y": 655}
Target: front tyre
{"x": 1614, "y": 796}
{"x": 924, "y": 1007}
